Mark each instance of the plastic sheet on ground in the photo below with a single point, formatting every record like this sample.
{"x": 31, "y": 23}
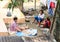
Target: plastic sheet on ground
{"x": 30, "y": 32}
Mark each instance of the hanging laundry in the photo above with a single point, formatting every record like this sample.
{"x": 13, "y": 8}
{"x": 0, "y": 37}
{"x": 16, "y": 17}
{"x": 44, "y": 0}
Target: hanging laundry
{"x": 50, "y": 11}
{"x": 52, "y": 4}
{"x": 48, "y": 3}
{"x": 55, "y": 1}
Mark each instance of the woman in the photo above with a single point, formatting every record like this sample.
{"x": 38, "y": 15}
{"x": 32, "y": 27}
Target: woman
{"x": 47, "y": 23}
{"x": 40, "y": 17}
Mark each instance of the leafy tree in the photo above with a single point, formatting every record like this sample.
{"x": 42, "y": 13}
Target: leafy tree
{"x": 13, "y": 4}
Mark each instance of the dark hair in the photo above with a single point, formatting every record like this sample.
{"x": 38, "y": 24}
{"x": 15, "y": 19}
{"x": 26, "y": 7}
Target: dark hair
{"x": 48, "y": 18}
{"x": 42, "y": 11}
{"x": 15, "y": 18}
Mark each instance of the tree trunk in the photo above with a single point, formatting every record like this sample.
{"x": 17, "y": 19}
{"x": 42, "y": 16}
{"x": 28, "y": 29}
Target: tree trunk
{"x": 35, "y": 4}
{"x": 21, "y": 4}
{"x": 57, "y": 29}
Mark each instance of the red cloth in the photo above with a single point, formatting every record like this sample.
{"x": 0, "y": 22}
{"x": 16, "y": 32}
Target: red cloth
{"x": 47, "y": 24}
{"x": 52, "y": 4}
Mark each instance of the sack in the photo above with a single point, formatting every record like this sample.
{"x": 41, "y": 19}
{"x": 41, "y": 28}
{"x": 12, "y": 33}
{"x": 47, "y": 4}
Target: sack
{"x": 9, "y": 14}
{"x": 52, "y": 4}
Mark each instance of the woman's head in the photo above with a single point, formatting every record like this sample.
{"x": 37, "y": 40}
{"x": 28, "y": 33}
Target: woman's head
{"x": 41, "y": 12}
{"x": 48, "y": 18}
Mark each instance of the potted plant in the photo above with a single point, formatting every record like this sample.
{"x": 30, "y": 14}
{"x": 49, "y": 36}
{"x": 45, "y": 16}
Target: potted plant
{"x": 12, "y": 5}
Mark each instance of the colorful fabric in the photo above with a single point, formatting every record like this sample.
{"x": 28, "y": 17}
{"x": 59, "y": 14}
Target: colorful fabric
{"x": 50, "y": 12}
{"x": 13, "y": 26}
{"x": 47, "y": 24}
{"x": 52, "y": 4}
{"x": 32, "y": 32}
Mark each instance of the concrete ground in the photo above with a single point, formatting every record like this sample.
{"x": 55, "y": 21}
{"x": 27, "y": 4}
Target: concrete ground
{"x": 34, "y": 25}
{"x": 30, "y": 24}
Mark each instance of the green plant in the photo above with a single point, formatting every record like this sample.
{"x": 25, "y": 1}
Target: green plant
{"x": 13, "y": 4}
